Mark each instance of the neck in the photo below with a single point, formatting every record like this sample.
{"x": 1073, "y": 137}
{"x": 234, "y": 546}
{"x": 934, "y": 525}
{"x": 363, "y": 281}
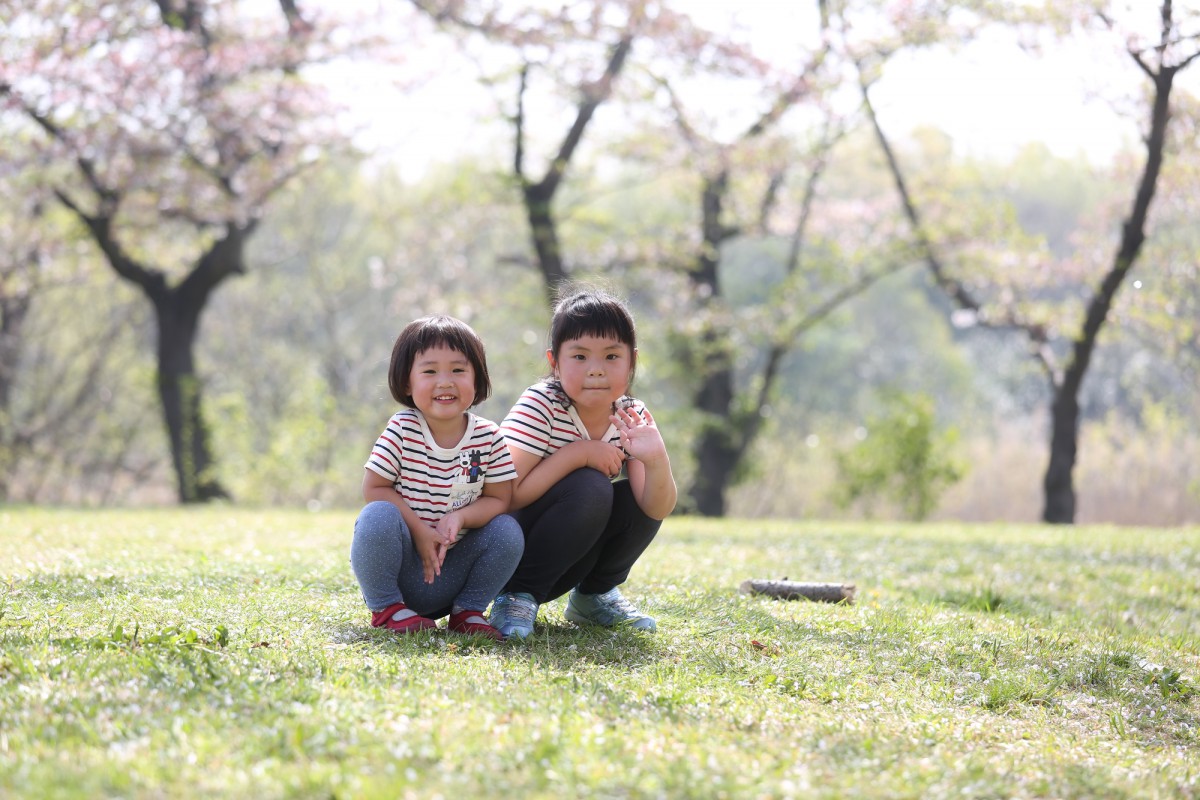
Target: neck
{"x": 595, "y": 420}
{"x": 447, "y": 433}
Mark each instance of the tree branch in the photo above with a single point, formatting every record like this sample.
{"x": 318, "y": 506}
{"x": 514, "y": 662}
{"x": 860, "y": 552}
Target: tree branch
{"x": 519, "y": 124}
{"x": 681, "y": 121}
{"x": 152, "y": 282}
{"x": 952, "y": 287}
{"x": 593, "y": 96}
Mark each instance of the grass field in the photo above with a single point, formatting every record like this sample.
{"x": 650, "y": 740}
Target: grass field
{"x": 226, "y": 653}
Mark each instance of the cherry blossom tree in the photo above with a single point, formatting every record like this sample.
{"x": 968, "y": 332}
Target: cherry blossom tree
{"x": 658, "y": 63}
{"x": 176, "y": 122}
{"x": 576, "y": 53}
{"x": 1159, "y": 42}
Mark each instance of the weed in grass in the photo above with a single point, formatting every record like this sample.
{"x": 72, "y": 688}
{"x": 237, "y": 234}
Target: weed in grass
{"x": 985, "y": 600}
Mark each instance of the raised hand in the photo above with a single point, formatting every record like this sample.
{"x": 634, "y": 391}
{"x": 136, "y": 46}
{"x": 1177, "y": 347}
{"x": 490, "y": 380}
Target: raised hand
{"x": 640, "y": 437}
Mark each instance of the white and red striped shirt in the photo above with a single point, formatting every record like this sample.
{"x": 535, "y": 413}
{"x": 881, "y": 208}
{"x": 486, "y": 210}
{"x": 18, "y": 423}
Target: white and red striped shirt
{"x": 544, "y": 420}
{"x": 434, "y": 480}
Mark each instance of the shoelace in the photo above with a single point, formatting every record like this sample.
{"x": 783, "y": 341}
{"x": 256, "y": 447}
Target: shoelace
{"x": 518, "y": 609}
{"x": 619, "y": 603}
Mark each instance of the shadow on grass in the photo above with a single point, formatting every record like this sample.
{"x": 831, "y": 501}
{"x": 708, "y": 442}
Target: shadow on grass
{"x": 552, "y": 643}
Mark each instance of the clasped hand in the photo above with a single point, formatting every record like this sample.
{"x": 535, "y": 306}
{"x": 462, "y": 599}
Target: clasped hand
{"x": 432, "y": 543}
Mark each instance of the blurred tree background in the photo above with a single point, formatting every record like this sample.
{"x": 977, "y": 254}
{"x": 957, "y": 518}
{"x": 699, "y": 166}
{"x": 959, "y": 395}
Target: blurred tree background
{"x": 836, "y": 318}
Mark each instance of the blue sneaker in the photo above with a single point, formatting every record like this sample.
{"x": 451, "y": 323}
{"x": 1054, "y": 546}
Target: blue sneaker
{"x": 609, "y": 609}
{"x": 513, "y": 614}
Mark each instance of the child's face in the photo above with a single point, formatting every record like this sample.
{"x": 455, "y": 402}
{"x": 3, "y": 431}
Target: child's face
{"x": 442, "y": 383}
{"x": 594, "y": 370}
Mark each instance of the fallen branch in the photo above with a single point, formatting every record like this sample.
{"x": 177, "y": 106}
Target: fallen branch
{"x": 795, "y": 590}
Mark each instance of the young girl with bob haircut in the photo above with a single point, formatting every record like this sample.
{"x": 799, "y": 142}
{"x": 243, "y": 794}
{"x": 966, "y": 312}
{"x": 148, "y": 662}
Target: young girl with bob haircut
{"x": 433, "y": 538}
{"x": 570, "y": 437}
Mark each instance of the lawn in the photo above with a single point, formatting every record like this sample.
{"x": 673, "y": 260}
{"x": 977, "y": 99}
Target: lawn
{"x": 226, "y": 653}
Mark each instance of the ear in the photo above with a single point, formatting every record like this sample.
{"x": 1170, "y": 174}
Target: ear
{"x": 552, "y": 362}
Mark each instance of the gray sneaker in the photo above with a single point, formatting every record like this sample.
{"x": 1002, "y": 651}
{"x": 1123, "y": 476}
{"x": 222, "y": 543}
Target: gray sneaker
{"x": 513, "y": 614}
{"x": 609, "y": 609}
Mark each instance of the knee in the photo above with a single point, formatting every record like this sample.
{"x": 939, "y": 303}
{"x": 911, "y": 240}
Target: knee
{"x": 377, "y": 519}
{"x": 587, "y": 488}
{"x": 506, "y": 534}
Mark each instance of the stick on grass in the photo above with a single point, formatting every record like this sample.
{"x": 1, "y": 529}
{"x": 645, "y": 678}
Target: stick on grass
{"x": 797, "y": 590}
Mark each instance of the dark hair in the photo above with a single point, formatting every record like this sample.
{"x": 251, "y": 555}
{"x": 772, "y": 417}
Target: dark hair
{"x": 589, "y": 311}
{"x": 433, "y": 331}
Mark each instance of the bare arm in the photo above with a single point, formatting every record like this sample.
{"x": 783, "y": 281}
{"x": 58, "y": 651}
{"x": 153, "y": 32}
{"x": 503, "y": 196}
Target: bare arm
{"x": 536, "y": 474}
{"x": 649, "y": 466}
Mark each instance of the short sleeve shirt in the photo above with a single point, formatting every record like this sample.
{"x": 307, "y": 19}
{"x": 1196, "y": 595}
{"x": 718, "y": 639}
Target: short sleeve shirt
{"x": 544, "y": 420}
{"x": 434, "y": 480}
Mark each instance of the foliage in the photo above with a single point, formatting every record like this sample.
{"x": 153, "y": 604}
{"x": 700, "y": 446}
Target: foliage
{"x": 1160, "y": 44}
{"x": 78, "y": 408}
{"x": 293, "y": 353}
{"x": 354, "y": 257}
{"x": 902, "y": 456}
{"x": 166, "y": 132}
{"x": 225, "y": 652}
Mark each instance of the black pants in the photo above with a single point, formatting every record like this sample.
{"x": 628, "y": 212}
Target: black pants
{"x": 585, "y": 532}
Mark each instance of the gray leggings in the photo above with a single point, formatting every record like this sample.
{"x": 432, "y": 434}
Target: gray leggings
{"x": 388, "y": 568}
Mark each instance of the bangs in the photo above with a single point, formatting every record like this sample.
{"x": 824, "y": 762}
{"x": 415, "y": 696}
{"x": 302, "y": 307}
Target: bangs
{"x": 593, "y": 316}
{"x": 431, "y": 332}
{"x": 444, "y": 334}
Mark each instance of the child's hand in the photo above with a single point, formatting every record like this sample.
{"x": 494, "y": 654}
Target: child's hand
{"x": 640, "y": 436}
{"x": 431, "y": 550}
{"x": 601, "y": 456}
{"x": 449, "y": 528}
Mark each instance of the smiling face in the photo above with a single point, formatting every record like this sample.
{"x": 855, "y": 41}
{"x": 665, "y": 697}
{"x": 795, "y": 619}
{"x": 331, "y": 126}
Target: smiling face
{"x": 594, "y": 371}
{"x": 441, "y": 383}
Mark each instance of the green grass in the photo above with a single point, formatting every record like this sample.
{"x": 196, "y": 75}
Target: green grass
{"x": 226, "y": 653}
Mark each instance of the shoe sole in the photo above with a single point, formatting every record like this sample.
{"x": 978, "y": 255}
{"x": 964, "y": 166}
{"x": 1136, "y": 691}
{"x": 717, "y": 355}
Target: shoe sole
{"x": 517, "y": 634}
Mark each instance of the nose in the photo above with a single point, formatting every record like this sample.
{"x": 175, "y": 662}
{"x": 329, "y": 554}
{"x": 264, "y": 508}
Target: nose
{"x": 595, "y": 369}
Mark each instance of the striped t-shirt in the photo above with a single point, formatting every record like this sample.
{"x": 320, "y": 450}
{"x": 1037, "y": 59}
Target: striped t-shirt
{"x": 434, "y": 480}
{"x": 543, "y": 420}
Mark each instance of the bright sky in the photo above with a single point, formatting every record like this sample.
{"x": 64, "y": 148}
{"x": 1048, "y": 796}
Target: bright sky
{"x": 990, "y": 97}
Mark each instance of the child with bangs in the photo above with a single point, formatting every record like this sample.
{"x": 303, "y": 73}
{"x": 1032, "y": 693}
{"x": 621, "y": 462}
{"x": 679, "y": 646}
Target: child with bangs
{"x": 594, "y": 480}
{"x": 433, "y": 539}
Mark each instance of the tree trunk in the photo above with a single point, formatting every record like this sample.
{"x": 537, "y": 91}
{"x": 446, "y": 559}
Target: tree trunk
{"x": 179, "y": 390}
{"x": 717, "y": 446}
{"x": 177, "y": 311}
{"x": 1058, "y": 483}
{"x": 544, "y": 232}
{"x": 716, "y": 460}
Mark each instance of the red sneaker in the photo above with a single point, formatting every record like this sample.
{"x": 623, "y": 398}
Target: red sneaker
{"x": 409, "y": 624}
{"x": 472, "y": 622}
